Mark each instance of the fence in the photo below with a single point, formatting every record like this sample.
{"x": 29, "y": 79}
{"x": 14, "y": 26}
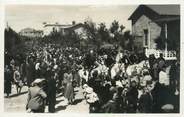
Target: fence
{"x": 168, "y": 55}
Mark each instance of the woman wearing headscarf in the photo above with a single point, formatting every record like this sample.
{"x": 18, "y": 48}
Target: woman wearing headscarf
{"x": 36, "y": 97}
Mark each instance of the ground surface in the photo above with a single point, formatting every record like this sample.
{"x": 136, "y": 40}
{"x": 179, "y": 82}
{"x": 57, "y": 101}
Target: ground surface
{"x": 16, "y": 103}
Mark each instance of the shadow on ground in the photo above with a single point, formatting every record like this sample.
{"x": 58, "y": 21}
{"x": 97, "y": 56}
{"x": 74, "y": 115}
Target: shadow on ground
{"x": 15, "y": 95}
{"x": 59, "y": 108}
{"x": 77, "y": 101}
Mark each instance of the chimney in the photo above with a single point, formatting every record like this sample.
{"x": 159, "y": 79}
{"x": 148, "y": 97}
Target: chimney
{"x": 7, "y": 26}
{"x": 73, "y": 22}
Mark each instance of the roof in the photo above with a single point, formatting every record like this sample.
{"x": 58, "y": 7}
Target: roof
{"x": 59, "y": 25}
{"x": 155, "y": 11}
{"x": 27, "y": 30}
{"x": 30, "y": 30}
{"x": 165, "y": 9}
{"x": 65, "y": 26}
{"x": 168, "y": 19}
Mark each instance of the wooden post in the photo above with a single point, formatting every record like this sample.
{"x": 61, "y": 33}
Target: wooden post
{"x": 166, "y": 39}
{"x": 149, "y": 33}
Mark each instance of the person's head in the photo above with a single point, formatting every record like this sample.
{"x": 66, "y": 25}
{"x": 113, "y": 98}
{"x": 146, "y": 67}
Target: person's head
{"x": 145, "y": 72}
{"x": 113, "y": 82}
{"x": 17, "y": 68}
{"x": 125, "y": 90}
{"x": 145, "y": 90}
{"x": 38, "y": 82}
{"x": 107, "y": 86}
{"x": 133, "y": 84}
{"x": 161, "y": 55}
{"x": 164, "y": 68}
{"x": 117, "y": 77}
{"x": 120, "y": 90}
{"x": 6, "y": 66}
{"x": 95, "y": 74}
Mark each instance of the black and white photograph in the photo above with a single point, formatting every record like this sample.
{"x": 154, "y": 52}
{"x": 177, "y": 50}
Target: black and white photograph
{"x": 87, "y": 59}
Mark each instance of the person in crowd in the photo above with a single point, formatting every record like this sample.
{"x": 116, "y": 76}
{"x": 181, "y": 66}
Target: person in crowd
{"x": 51, "y": 89}
{"x": 125, "y": 100}
{"x": 69, "y": 90}
{"x": 105, "y": 93}
{"x": 145, "y": 101}
{"x": 143, "y": 91}
{"x": 93, "y": 100}
{"x": 161, "y": 62}
{"x": 7, "y": 80}
{"x": 132, "y": 97}
{"x": 37, "y": 69}
{"x": 155, "y": 71}
{"x": 76, "y": 77}
{"x": 163, "y": 77}
{"x": 118, "y": 97}
{"x": 91, "y": 81}
{"x": 133, "y": 58}
{"x": 36, "y": 97}
{"x": 151, "y": 60}
{"x": 85, "y": 75}
{"x": 23, "y": 72}
{"x": 89, "y": 60}
{"x": 18, "y": 80}
{"x": 113, "y": 88}
{"x": 126, "y": 60}
{"x": 174, "y": 76}
{"x": 29, "y": 71}
{"x": 110, "y": 106}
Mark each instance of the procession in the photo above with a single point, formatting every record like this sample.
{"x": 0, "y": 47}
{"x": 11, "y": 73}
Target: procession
{"x": 109, "y": 85}
{"x": 110, "y": 78}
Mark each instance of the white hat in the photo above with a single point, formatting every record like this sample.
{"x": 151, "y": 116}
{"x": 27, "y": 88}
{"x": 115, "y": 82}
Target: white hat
{"x": 91, "y": 98}
{"x": 55, "y": 66}
{"x": 147, "y": 78}
{"x": 167, "y": 107}
{"x": 38, "y": 81}
{"x": 89, "y": 90}
{"x": 143, "y": 83}
{"x": 85, "y": 86}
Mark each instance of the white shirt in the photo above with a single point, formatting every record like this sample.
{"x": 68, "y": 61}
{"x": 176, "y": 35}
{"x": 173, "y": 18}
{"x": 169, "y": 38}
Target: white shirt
{"x": 83, "y": 75}
{"x": 163, "y": 78}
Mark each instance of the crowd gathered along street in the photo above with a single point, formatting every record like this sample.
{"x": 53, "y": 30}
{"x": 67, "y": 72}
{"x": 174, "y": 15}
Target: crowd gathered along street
{"x": 54, "y": 79}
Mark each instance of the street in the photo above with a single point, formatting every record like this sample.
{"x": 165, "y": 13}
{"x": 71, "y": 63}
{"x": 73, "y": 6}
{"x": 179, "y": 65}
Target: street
{"x": 16, "y": 103}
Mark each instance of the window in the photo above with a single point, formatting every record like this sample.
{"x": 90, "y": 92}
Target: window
{"x": 146, "y": 37}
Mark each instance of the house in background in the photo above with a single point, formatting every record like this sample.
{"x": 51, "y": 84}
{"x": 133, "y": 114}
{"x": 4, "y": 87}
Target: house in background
{"x": 78, "y": 28}
{"x": 31, "y": 33}
{"x": 149, "y": 22}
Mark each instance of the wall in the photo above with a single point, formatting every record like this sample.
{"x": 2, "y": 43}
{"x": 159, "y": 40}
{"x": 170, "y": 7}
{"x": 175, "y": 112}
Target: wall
{"x": 81, "y": 32}
{"x": 138, "y": 27}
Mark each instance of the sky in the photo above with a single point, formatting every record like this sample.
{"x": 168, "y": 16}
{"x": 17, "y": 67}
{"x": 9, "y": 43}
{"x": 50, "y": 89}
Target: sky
{"x": 23, "y": 16}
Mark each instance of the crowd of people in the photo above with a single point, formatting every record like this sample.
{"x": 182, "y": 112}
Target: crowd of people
{"x": 52, "y": 69}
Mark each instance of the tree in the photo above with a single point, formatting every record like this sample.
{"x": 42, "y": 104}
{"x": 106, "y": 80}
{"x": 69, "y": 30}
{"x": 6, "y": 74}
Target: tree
{"x": 11, "y": 39}
{"x": 103, "y": 33}
{"x": 116, "y": 31}
{"x": 128, "y": 41}
{"x": 114, "y": 26}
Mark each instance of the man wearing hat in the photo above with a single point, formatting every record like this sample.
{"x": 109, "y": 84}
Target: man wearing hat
{"x": 36, "y": 97}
